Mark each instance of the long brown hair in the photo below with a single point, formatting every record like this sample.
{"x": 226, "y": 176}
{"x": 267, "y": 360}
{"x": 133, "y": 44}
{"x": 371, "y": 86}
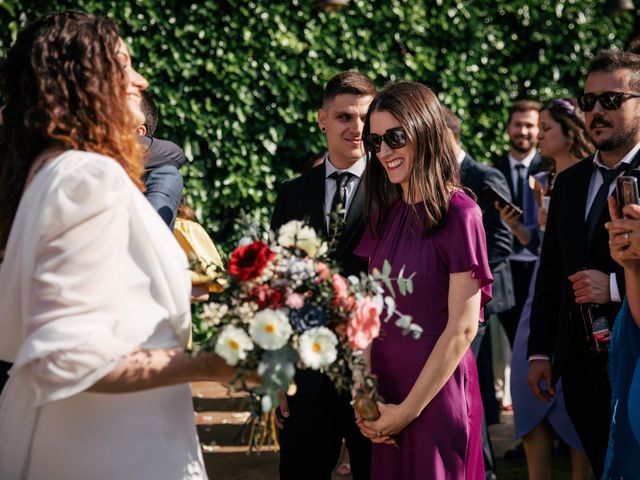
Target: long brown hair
{"x": 63, "y": 86}
{"x": 565, "y": 111}
{"x": 434, "y": 171}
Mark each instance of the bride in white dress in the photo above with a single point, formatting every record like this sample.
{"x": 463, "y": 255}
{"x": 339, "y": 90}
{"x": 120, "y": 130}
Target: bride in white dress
{"x": 94, "y": 290}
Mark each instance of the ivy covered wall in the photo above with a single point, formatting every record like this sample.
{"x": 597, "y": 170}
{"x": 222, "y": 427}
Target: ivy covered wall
{"x": 238, "y": 82}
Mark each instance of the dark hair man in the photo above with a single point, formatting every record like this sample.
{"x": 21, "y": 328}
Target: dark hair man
{"x": 521, "y": 161}
{"x": 317, "y": 417}
{"x": 162, "y": 179}
{"x": 150, "y": 112}
{"x": 478, "y": 177}
{"x": 576, "y": 270}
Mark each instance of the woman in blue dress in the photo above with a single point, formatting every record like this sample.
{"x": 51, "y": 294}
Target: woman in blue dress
{"x": 562, "y": 142}
{"x": 623, "y": 452}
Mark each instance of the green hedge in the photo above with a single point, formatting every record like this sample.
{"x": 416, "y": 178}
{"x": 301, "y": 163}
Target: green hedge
{"x": 238, "y": 82}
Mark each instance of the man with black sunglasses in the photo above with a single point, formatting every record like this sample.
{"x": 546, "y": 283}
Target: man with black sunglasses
{"x": 314, "y": 420}
{"x": 576, "y": 270}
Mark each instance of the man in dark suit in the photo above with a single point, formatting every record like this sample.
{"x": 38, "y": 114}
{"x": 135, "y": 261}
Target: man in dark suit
{"x": 317, "y": 417}
{"x": 576, "y": 269}
{"x": 521, "y": 162}
{"x": 478, "y": 178}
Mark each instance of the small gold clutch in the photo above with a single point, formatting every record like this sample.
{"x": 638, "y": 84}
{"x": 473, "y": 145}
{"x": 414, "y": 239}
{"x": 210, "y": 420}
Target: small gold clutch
{"x": 205, "y": 262}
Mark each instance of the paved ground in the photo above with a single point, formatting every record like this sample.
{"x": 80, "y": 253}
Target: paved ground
{"x": 220, "y": 419}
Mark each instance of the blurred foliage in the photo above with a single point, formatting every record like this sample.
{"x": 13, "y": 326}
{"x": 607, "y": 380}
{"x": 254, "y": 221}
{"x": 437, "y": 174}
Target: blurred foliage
{"x": 238, "y": 82}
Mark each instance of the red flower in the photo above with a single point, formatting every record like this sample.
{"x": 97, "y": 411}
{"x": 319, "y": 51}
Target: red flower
{"x": 268, "y": 297}
{"x": 247, "y": 262}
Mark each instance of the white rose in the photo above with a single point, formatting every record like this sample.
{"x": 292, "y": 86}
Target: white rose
{"x": 270, "y": 329}
{"x": 233, "y": 344}
{"x": 296, "y": 234}
{"x": 318, "y": 347}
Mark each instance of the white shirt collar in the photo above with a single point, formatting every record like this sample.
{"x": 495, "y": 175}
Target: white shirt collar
{"x": 461, "y": 156}
{"x": 526, "y": 161}
{"x": 356, "y": 168}
{"x": 626, "y": 159}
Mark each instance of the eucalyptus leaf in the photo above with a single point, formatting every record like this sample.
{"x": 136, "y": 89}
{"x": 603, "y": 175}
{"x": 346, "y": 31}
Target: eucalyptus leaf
{"x": 386, "y": 269}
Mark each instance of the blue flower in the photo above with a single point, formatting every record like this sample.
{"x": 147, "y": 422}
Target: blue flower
{"x": 309, "y": 316}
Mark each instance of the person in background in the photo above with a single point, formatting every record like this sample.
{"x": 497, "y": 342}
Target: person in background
{"x": 521, "y": 162}
{"x": 420, "y": 219}
{"x": 94, "y": 290}
{"x": 563, "y": 142}
{"x": 162, "y": 161}
{"x": 478, "y": 178}
{"x": 316, "y": 418}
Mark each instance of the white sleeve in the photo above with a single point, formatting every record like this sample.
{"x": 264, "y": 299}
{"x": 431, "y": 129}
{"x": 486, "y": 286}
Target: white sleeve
{"x": 71, "y": 324}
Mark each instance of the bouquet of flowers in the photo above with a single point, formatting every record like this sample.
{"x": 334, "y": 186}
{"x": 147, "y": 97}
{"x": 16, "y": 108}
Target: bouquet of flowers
{"x": 286, "y": 306}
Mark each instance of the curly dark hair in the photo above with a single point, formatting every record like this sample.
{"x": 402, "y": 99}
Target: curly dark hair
{"x": 64, "y": 87}
{"x": 435, "y": 170}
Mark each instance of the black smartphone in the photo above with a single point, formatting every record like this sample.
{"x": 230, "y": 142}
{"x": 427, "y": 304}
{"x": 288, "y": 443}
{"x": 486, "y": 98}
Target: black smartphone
{"x": 626, "y": 192}
{"x": 498, "y": 197}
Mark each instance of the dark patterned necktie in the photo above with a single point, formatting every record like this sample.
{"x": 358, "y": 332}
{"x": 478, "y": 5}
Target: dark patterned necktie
{"x": 340, "y": 197}
{"x": 520, "y": 172}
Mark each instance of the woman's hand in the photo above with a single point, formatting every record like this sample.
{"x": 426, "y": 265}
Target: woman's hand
{"x": 624, "y": 235}
{"x": 199, "y": 293}
{"x": 393, "y": 419}
{"x": 542, "y": 217}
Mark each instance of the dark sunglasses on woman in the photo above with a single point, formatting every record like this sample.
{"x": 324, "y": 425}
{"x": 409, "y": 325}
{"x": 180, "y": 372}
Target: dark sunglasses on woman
{"x": 608, "y": 100}
{"x": 394, "y": 138}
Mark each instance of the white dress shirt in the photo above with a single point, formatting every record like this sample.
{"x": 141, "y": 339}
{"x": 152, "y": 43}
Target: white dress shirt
{"x": 513, "y": 163}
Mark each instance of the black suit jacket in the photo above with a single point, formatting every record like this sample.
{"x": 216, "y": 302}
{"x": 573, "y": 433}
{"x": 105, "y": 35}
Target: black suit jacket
{"x": 478, "y": 178}
{"x": 555, "y": 318}
{"x": 303, "y": 199}
{"x": 502, "y": 164}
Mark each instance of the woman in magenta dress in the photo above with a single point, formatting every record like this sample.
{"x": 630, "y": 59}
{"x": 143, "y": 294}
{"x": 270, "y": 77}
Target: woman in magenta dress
{"x": 424, "y": 221}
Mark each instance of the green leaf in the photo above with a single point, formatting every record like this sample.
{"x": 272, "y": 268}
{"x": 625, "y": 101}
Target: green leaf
{"x": 386, "y": 269}
{"x": 402, "y": 287}
{"x": 409, "y": 285}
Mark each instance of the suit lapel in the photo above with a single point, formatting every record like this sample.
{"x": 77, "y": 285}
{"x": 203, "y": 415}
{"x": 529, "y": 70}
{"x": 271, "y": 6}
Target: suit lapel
{"x": 505, "y": 168}
{"x": 314, "y": 200}
{"x": 534, "y": 166}
{"x": 579, "y": 203}
{"x": 353, "y": 221}
{"x": 464, "y": 167}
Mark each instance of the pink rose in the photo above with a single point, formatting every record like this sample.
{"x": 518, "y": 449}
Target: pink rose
{"x": 340, "y": 288}
{"x": 364, "y": 325}
{"x": 323, "y": 270}
{"x": 295, "y": 300}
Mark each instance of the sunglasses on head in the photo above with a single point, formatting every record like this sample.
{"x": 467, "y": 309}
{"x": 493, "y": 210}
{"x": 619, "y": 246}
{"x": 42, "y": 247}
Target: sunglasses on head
{"x": 608, "y": 100}
{"x": 394, "y": 138}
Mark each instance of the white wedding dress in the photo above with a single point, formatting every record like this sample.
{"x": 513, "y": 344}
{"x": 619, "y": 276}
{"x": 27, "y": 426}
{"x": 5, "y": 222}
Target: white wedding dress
{"x": 90, "y": 272}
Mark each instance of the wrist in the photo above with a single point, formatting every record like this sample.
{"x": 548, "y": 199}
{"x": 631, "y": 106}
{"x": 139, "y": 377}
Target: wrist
{"x": 410, "y": 409}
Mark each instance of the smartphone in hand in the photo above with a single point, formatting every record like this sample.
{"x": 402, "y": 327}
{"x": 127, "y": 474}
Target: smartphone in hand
{"x": 626, "y": 192}
{"x": 502, "y": 201}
